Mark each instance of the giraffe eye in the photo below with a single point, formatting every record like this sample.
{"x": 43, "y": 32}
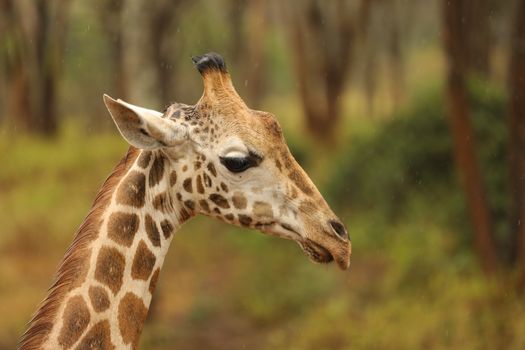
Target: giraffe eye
{"x": 237, "y": 164}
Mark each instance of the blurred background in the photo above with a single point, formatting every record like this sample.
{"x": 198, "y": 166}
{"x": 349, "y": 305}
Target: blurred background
{"x": 409, "y": 115}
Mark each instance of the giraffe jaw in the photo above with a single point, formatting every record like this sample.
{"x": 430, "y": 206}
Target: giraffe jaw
{"x": 321, "y": 255}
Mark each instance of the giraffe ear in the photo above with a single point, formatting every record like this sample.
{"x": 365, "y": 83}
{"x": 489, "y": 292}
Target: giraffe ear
{"x": 144, "y": 128}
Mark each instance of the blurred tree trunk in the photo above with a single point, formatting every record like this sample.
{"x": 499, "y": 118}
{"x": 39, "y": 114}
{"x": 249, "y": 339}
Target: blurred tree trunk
{"x": 111, "y": 12}
{"x": 517, "y": 136}
{"x": 370, "y": 53}
{"x": 476, "y": 35}
{"x": 463, "y": 137}
{"x": 36, "y": 32}
{"x": 394, "y": 52}
{"x": 161, "y": 15}
{"x": 248, "y": 23}
{"x": 321, "y": 38}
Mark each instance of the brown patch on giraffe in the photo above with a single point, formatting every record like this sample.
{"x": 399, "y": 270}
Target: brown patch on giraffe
{"x": 198, "y": 183}
{"x": 300, "y": 180}
{"x": 217, "y": 211}
{"x": 184, "y": 168}
{"x": 224, "y": 187}
{"x": 153, "y": 281}
{"x": 189, "y": 204}
{"x": 82, "y": 270}
{"x": 99, "y": 298}
{"x": 278, "y": 165}
{"x": 239, "y": 201}
{"x": 162, "y": 202}
{"x": 184, "y": 215}
{"x": 152, "y": 231}
{"x": 157, "y": 171}
{"x": 293, "y": 193}
{"x": 307, "y": 207}
{"x": 75, "y": 321}
{"x": 187, "y": 185}
{"x": 110, "y": 268}
{"x": 197, "y": 165}
{"x": 245, "y": 220}
{"x": 143, "y": 262}
{"x": 262, "y": 209}
{"x": 173, "y": 178}
{"x": 122, "y": 227}
{"x": 179, "y": 197}
{"x": 204, "y": 205}
{"x": 219, "y": 200}
{"x": 131, "y": 316}
{"x": 76, "y": 258}
{"x": 167, "y": 228}
{"x": 229, "y": 217}
{"x": 132, "y": 190}
{"x": 98, "y": 337}
{"x": 212, "y": 169}
{"x": 207, "y": 180}
{"x": 144, "y": 159}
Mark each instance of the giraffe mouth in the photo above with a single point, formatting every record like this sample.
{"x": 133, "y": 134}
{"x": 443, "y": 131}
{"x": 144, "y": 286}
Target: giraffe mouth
{"x": 316, "y": 252}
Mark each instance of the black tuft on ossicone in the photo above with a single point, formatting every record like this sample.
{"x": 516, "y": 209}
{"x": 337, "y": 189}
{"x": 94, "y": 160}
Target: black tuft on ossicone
{"x": 209, "y": 61}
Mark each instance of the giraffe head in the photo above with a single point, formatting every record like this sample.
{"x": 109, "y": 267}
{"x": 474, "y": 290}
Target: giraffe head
{"x": 235, "y": 165}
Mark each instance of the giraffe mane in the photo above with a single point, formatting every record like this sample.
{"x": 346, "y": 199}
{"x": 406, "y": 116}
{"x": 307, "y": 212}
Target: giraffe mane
{"x": 42, "y": 321}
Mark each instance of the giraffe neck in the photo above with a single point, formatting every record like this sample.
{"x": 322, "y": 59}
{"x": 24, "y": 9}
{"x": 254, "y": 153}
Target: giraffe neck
{"x": 105, "y": 284}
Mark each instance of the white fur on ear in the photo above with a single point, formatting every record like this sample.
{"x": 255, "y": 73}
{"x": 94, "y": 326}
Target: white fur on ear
{"x": 144, "y": 128}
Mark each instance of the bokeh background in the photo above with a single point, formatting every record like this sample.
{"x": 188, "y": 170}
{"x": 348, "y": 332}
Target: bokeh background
{"x": 409, "y": 115}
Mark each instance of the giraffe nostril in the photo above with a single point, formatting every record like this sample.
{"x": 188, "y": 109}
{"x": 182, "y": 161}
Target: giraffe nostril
{"x": 339, "y": 229}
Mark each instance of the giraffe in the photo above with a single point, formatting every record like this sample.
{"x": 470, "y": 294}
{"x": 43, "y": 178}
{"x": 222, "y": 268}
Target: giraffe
{"x": 218, "y": 158}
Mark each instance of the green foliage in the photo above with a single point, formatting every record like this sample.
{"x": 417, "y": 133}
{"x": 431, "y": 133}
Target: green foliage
{"x": 406, "y": 167}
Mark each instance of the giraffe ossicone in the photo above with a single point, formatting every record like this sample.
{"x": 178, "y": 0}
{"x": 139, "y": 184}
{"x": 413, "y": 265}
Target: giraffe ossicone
{"x": 218, "y": 158}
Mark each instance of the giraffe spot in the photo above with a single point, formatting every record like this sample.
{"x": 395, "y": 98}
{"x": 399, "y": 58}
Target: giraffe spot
{"x": 278, "y": 165}
{"x": 300, "y": 180}
{"x": 198, "y": 183}
{"x": 184, "y": 215}
{"x": 132, "y": 190}
{"x": 99, "y": 298}
{"x": 122, "y": 227}
{"x": 190, "y": 204}
{"x": 179, "y": 196}
{"x": 217, "y": 211}
{"x": 245, "y": 220}
{"x": 229, "y": 217}
{"x": 144, "y": 158}
{"x": 307, "y": 207}
{"x": 157, "y": 171}
{"x": 131, "y": 316}
{"x": 262, "y": 209}
{"x": 219, "y": 200}
{"x": 239, "y": 201}
{"x": 187, "y": 185}
{"x": 143, "y": 262}
{"x": 212, "y": 169}
{"x": 110, "y": 268}
{"x": 82, "y": 269}
{"x": 98, "y": 337}
{"x": 153, "y": 281}
{"x": 173, "y": 178}
{"x": 293, "y": 193}
{"x": 207, "y": 180}
{"x": 204, "y": 205}
{"x": 184, "y": 168}
{"x": 224, "y": 187}
{"x": 152, "y": 231}
{"x": 167, "y": 228}
{"x": 75, "y": 320}
{"x": 196, "y": 165}
{"x": 162, "y": 202}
